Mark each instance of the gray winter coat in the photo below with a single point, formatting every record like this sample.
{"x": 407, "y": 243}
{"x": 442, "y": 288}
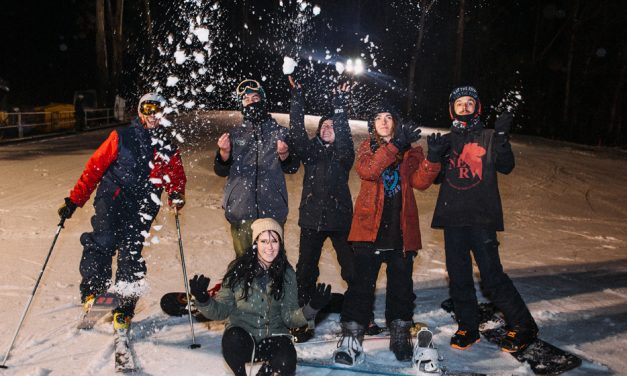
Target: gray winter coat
{"x": 261, "y": 315}
{"x": 255, "y": 187}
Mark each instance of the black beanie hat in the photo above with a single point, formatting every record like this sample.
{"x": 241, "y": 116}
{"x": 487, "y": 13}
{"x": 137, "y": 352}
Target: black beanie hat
{"x": 381, "y": 107}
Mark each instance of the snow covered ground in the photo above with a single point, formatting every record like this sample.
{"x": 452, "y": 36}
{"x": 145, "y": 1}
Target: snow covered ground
{"x": 564, "y": 246}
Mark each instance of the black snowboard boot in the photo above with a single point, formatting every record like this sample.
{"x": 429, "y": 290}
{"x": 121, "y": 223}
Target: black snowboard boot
{"x": 302, "y": 334}
{"x": 518, "y": 338}
{"x": 373, "y": 329}
{"x": 349, "y": 350}
{"x": 400, "y": 340}
{"x": 463, "y": 339}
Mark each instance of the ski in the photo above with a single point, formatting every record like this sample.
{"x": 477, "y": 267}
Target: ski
{"x": 103, "y": 305}
{"x": 124, "y": 360}
{"x": 542, "y": 357}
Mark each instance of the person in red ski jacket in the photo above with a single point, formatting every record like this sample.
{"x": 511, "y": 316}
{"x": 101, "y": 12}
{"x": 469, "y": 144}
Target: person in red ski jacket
{"x": 130, "y": 169}
{"x": 385, "y": 229}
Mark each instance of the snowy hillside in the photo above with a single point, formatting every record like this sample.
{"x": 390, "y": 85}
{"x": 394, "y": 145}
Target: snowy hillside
{"x": 565, "y": 247}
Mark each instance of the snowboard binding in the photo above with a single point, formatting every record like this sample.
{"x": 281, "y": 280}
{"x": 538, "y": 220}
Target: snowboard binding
{"x": 426, "y": 358}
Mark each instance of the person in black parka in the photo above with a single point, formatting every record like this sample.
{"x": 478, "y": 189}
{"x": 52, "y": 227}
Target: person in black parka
{"x": 326, "y": 206}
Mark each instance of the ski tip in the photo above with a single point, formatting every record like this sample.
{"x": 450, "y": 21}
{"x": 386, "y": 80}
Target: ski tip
{"x": 3, "y": 366}
{"x": 194, "y": 346}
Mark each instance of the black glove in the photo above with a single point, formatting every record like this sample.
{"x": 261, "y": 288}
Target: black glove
{"x": 405, "y": 136}
{"x": 321, "y": 297}
{"x": 176, "y": 199}
{"x": 67, "y": 209}
{"x": 503, "y": 125}
{"x": 198, "y": 287}
{"x": 340, "y": 99}
{"x": 438, "y": 146}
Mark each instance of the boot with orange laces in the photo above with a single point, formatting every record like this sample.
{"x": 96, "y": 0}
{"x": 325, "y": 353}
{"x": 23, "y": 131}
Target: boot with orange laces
{"x": 518, "y": 338}
{"x": 463, "y": 339}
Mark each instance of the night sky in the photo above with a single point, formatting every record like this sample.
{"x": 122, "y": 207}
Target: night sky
{"x": 566, "y": 59}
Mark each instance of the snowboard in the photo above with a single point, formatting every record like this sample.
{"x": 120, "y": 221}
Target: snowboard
{"x": 543, "y": 357}
{"x": 383, "y": 334}
{"x": 400, "y": 369}
{"x": 365, "y": 367}
{"x": 103, "y": 305}
{"x": 175, "y": 303}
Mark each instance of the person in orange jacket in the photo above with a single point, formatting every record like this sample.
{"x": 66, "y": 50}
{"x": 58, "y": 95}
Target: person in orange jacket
{"x": 130, "y": 169}
{"x": 385, "y": 229}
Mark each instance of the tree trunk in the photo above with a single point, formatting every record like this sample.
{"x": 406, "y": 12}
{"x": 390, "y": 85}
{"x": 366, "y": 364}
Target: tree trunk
{"x": 149, "y": 37}
{"x": 148, "y": 21}
{"x": 614, "y": 132}
{"x": 424, "y": 10}
{"x": 457, "y": 70}
{"x": 536, "y": 33}
{"x": 117, "y": 44}
{"x": 101, "y": 52}
{"x": 569, "y": 68}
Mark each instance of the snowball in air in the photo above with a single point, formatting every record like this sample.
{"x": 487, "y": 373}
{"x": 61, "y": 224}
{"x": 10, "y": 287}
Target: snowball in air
{"x": 288, "y": 65}
{"x": 202, "y": 33}
{"x": 316, "y": 10}
{"x": 180, "y": 56}
{"x": 339, "y": 67}
{"x": 155, "y": 199}
{"x": 199, "y": 57}
{"x": 172, "y": 81}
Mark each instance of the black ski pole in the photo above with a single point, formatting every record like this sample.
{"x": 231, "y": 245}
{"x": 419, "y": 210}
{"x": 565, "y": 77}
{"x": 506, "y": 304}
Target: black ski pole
{"x": 41, "y": 273}
{"x": 194, "y": 345}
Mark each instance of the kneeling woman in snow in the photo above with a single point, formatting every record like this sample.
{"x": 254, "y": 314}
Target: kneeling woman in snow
{"x": 259, "y": 300}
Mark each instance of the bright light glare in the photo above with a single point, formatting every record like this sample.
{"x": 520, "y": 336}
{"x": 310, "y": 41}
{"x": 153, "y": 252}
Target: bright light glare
{"x": 349, "y": 66}
{"x": 359, "y": 67}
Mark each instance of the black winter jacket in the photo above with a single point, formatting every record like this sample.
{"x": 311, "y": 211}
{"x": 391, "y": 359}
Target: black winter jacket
{"x": 469, "y": 192}
{"x": 326, "y": 203}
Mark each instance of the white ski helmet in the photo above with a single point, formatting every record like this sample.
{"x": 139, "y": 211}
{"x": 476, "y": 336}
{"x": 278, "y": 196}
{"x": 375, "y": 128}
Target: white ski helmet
{"x": 151, "y": 97}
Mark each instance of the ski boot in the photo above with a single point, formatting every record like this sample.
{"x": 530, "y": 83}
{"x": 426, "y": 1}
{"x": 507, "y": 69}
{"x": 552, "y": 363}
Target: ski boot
{"x": 400, "y": 339}
{"x": 426, "y": 357}
{"x": 349, "y": 350}
{"x": 121, "y": 322}
{"x": 88, "y": 302}
{"x": 463, "y": 339}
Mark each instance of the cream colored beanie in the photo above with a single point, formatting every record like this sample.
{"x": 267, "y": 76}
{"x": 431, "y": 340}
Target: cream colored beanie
{"x": 264, "y": 224}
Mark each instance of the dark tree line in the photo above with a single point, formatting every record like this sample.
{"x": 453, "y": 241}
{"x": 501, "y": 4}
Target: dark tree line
{"x": 561, "y": 63}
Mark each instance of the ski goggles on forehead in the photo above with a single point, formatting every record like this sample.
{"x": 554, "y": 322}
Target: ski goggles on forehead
{"x": 150, "y": 108}
{"x": 248, "y": 86}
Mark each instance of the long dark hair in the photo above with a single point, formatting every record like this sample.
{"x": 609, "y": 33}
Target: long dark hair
{"x": 243, "y": 270}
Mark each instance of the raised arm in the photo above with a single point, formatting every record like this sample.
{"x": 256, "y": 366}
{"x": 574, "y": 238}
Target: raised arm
{"x": 343, "y": 143}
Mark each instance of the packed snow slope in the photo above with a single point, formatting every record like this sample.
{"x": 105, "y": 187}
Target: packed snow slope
{"x": 565, "y": 247}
